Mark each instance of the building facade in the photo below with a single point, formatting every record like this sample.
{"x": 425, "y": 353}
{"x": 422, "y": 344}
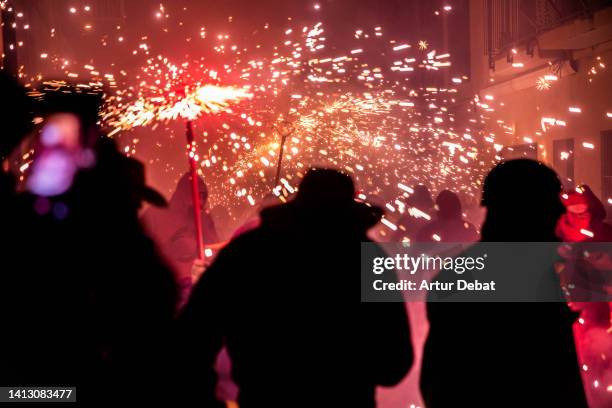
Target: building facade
{"x": 544, "y": 67}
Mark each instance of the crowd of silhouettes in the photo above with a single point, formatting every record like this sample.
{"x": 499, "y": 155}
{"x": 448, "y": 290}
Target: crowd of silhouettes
{"x": 95, "y": 297}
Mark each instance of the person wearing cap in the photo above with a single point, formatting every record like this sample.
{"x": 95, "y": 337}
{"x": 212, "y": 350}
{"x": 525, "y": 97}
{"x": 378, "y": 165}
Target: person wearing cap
{"x": 283, "y": 298}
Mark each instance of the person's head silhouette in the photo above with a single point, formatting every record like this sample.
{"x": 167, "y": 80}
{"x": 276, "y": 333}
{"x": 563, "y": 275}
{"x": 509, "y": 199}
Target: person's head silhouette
{"x": 523, "y": 202}
{"x": 325, "y": 188}
{"x": 421, "y": 198}
{"x": 181, "y": 200}
{"x": 327, "y": 194}
{"x": 449, "y": 206}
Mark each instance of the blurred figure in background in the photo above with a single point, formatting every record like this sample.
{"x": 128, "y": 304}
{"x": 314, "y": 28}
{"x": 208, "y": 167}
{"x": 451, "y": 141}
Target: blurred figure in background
{"x": 589, "y": 277}
{"x": 584, "y": 219}
{"x": 89, "y": 301}
{"x": 173, "y": 230}
{"x": 583, "y": 222}
{"x": 419, "y": 209}
{"x": 449, "y": 225}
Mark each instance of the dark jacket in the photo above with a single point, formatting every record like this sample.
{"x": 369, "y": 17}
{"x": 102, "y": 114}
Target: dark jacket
{"x": 89, "y": 302}
{"x": 173, "y": 228}
{"x": 501, "y": 354}
{"x": 284, "y": 300}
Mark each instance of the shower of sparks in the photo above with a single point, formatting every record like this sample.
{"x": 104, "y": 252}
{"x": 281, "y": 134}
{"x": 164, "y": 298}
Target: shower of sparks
{"x": 542, "y": 84}
{"x": 356, "y": 109}
{"x": 345, "y": 110}
{"x": 207, "y": 99}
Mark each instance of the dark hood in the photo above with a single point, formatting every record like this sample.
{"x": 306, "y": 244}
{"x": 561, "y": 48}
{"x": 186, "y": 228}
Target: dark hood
{"x": 181, "y": 201}
{"x": 449, "y": 205}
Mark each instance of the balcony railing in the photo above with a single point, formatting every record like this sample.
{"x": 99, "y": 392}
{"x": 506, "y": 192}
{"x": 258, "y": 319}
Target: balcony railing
{"x": 509, "y": 23}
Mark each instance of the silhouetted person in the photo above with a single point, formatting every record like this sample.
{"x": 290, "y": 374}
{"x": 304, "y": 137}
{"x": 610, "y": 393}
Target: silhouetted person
{"x": 133, "y": 292}
{"x": 173, "y": 230}
{"x": 283, "y": 299}
{"x": 89, "y": 301}
{"x": 449, "y": 225}
{"x": 583, "y": 222}
{"x": 587, "y": 277}
{"x": 507, "y": 354}
{"x": 419, "y": 209}
{"x": 226, "y": 388}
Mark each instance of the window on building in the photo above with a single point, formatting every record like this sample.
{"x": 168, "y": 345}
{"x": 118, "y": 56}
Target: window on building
{"x": 510, "y": 23}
